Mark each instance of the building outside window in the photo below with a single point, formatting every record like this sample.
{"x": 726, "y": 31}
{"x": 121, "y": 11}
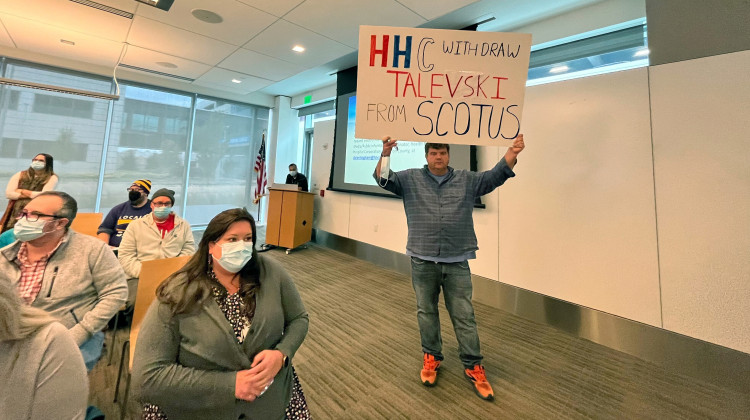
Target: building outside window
{"x": 179, "y": 140}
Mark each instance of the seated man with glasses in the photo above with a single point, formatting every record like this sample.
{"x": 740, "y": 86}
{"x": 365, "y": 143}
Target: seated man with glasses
{"x": 74, "y": 277}
{"x": 160, "y": 234}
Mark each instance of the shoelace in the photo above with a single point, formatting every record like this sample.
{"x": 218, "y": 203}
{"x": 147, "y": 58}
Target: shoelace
{"x": 430, "y": 363}
{"x": 478, "y": 374}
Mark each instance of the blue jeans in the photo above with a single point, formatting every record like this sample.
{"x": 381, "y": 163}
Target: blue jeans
{"x": 92, "y": 350}
{"x": 455, "y": 279}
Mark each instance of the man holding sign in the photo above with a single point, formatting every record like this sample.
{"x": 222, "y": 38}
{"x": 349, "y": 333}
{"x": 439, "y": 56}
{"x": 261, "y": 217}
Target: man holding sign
{"x": 438, "y": 202}
{"x": 466, "y": 88}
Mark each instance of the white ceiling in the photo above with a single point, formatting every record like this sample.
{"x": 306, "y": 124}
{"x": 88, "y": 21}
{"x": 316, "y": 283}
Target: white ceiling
{"x": 252, "y": 44}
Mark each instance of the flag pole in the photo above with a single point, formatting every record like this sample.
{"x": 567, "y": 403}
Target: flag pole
{"x": 261, "y": 173}
{"x": 261, "y": 182}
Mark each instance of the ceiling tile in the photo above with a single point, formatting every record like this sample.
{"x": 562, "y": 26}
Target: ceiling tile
{"x": 4, "y": 36}
{"x": 69, "y": 15}
{"x": 431, "y": 9}
{"x": 277, "y": 7}
{"x": 305, "y": 81}
{"x": 44, "y": 39}
{"x": 277, "y": 41}
{"x": 241, "y": 22}
{"x": 341, "y": 20}
{"x": 157, "y": 36}
{"x": 222, "y": 79}
{"x": 256, "y": 64}
{"x": 148, "y": 59}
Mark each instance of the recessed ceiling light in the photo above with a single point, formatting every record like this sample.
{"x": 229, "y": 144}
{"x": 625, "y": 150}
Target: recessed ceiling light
{"x": 206, "y": 16}
{"x": 167, "y": 64}
{"x": 558, "y": 69}
{"x": 642, "y": 53}
{"x": 236, "y": 81}
{"x": 66, "y": 42}
{"x": 298, "y": 48}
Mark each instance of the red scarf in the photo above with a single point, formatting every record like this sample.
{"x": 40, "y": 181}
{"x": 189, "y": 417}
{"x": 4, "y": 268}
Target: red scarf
{"x": 165, "y": 226}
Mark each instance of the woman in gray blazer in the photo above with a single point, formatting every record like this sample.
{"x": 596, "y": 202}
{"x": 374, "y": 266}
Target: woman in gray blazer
{"x": 219, "y": 340}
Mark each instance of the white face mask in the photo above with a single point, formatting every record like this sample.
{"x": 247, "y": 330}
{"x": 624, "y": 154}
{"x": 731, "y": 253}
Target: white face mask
{"x": 28, "y": 231}
{"x": 293, "y": 173}
{"x": 37, "y": 166}
{"x": 234, "y": 255}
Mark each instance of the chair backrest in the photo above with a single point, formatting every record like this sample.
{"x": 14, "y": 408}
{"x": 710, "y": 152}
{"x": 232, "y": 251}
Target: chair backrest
{"x": 87, "y": 223}
{"x": 153, "y": 273}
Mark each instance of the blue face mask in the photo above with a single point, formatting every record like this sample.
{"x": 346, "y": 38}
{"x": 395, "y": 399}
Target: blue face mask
{"x": 234, "y": 255}
{"x": 28, "y": 231}
{"x": 162, "y": 212}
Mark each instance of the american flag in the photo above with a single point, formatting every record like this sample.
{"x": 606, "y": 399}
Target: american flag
{"x": 260, "y": 169}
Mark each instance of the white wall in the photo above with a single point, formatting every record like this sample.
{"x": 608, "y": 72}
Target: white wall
{"x": 326, "y": 93}
{"x": 580, "y": 221}
{"x": 702, "y": 169}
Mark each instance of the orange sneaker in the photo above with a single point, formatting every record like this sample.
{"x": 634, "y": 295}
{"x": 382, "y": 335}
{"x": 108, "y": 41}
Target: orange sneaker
{"x": 482, "y": 387}
{"x": 429, "y": 370}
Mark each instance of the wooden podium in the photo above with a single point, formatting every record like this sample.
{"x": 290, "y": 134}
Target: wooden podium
{"x": 290, "y": 213}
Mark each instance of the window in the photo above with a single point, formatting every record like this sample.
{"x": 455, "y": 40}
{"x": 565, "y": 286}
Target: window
{"x": 138, "y": 148}
{"x": 147, "y": 123}
{"x": 612, "y": 49}
{"x": 9, "y": 99}
{"x": 175, "y": 125}
{"x": 308, "y": 116}
{"x": 152, "y": 133}
{"x": 65, "y": 126}
{"x": 9, "y": 148}
{"x": 615, "y": 48}
{"x": 221, "y": 162}
{"x": 63, "y": 149}
{"x": 63, "y": 105}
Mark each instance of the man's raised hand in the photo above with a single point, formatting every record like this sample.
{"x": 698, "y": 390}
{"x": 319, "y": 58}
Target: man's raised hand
{"x": 388, "y": 145}
{"x": 518, "y": 144}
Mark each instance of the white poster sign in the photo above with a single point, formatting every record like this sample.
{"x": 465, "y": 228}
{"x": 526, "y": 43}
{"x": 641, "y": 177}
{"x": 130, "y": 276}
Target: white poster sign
{"x": 441, "y": 86}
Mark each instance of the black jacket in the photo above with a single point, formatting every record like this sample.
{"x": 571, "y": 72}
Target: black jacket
{"x": 299, "y": 179}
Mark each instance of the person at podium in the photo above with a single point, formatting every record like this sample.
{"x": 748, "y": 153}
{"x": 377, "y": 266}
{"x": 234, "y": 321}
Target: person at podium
{"x": 297, "y": 178}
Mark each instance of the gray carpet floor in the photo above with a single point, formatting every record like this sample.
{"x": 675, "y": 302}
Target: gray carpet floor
{"x": 361, "y": 360}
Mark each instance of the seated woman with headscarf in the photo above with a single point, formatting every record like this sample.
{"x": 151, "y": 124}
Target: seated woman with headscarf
{"x": 219, "y": 340}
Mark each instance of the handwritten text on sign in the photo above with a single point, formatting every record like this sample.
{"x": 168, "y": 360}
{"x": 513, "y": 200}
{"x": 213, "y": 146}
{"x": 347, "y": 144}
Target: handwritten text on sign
{"x": 441, "y": 86}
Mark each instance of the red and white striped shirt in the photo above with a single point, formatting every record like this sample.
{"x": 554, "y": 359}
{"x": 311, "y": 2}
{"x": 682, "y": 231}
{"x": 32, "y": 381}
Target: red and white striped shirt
{"x": 32, "y": 273}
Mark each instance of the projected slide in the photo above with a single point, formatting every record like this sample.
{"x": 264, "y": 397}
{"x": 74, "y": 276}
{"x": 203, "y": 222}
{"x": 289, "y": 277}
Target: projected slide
{"x": 355, "y": 159}
{"x": 362, "y": 155}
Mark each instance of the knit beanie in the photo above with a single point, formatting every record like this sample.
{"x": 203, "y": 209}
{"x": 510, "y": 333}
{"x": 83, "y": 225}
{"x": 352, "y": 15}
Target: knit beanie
{"x": 143, "y": 183}
{"x": 164, "y": 192}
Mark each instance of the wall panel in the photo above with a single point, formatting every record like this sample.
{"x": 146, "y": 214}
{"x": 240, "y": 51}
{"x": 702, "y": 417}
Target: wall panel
{"x": 578, "y": 222}
{"x": 702, "y": 168}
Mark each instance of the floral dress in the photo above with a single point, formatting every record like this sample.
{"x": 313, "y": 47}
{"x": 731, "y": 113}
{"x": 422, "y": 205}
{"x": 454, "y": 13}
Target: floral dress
{"x": 231, "y": 305}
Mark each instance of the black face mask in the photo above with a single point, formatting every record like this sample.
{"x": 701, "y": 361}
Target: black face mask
{"x": 134, "y": 196}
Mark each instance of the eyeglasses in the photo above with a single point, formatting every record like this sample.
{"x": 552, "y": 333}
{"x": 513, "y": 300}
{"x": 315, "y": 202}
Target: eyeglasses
{"x": 33, "y": 217}
{"x": 168, "y": 204}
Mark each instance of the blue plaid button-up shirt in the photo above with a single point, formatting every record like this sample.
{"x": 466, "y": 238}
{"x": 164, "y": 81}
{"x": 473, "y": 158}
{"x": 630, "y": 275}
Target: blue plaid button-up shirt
{"x": 439, "y": 216}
